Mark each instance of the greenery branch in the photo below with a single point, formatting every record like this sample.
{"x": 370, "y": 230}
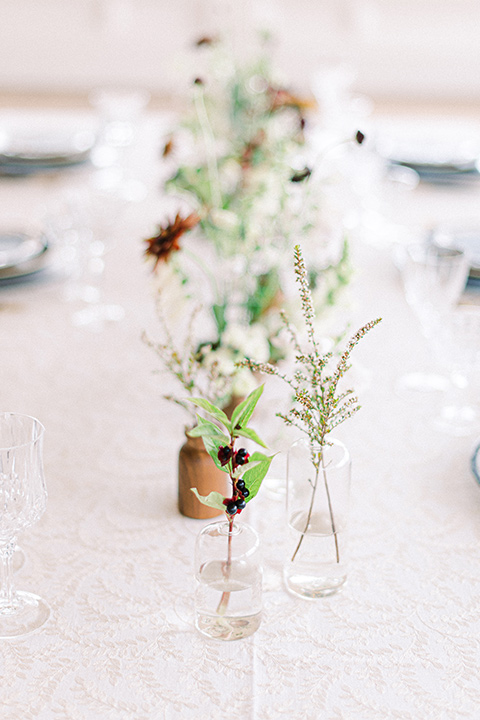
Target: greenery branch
{"x": 318, "y": 405}
{"x": 246, "y": 472}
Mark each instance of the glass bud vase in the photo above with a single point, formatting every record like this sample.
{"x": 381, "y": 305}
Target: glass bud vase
{"x": 228, "y": 571}
{"x": 318, "y": 490}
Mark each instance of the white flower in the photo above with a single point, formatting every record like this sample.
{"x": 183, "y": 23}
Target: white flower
{"x": 248, "y": 340}
{"x": 231, "y": 174}
{"x": 223, "y": 358}
{"x": 224, "y": 219}
{"x": 244, "y": 382}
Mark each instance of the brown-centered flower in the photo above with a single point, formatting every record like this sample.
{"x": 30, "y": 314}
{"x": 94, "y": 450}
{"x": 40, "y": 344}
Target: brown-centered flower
{"x": 161, "y": 245}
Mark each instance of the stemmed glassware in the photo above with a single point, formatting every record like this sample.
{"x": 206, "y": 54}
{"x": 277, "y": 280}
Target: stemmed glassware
{"x": 434, "y": 277}
{"x": 23, "y": 499}
{"x": 102, "y": 212}
{"x": 460, "y": 411}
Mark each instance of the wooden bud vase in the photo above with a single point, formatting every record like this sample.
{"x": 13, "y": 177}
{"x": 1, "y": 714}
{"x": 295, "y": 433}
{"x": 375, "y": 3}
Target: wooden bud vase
{"x": 197, "y": 469}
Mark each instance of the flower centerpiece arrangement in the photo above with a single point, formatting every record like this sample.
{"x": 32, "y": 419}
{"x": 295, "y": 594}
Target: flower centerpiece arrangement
{"x": 228, "y": 569}
{"x": 237, "y": 169}
{"x": 318, "y": 467}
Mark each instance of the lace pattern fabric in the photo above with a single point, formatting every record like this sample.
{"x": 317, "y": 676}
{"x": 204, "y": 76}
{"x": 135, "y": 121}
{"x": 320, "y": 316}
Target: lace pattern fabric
{"x": 114, "y": 558}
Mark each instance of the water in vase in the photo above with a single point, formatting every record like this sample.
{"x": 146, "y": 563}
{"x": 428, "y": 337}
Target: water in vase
{"x": 228, "y": 602}
{"x": 319, "y": 567}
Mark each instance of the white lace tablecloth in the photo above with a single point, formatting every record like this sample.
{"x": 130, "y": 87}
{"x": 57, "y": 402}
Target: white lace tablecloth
{"x": 113, "y": 557}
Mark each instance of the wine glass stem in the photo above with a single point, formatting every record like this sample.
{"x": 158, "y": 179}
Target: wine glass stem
{"x": 6, "y": 588}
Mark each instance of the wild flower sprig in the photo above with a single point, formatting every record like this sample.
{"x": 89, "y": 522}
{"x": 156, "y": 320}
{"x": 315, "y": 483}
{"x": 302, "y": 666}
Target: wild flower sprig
{"x": 185, "y": 361}
{"x": 305, "y": 294}
{"x": 318, "y": 405}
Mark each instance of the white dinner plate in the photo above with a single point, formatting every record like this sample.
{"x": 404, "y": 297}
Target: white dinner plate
{"x": 475, "y": 464}
{"x": 21, "y": 254}
{"x": 439, "y": 150}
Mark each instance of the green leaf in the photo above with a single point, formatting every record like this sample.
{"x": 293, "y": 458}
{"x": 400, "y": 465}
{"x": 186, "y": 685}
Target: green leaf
{"x": 253, "y": 478}
{"x": 212, "y": 410}
{"x": 219, "y": 315}
{"x": 205, "y": 428}
{"x": 243, "y": 412}
{"x": 251, "y": 435}
{"x": 241, "y": 469}
{"x": 212, "y": 449}
{"x": 212, "y": 438}
{"x": 267, "y": 286}
{"x": 213, "y": 499}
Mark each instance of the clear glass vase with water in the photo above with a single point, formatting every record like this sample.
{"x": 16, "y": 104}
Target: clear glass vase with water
{"x": 228, "y": 571}
{"x": 318, "y": 489}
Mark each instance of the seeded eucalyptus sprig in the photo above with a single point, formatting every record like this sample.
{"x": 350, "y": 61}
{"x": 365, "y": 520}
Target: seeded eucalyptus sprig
{"x": 318, "y": 405}
{"x": 219, "y": 437}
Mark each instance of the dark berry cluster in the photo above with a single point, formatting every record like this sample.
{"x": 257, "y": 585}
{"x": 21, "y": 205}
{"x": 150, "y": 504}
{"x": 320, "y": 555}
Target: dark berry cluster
{"x": 241, "y": 457}
{"x": 224, "y": 454}
{"x": 237, "y": 503}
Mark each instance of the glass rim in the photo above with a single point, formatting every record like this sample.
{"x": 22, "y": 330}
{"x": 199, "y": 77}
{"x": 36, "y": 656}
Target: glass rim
{"x": 35, "y": 422}
{"x": 238, "y": 526}
{"x": 345, "y": 460}
{"x": 427, "y": 252}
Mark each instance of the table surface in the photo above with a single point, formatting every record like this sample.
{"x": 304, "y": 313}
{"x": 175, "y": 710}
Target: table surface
{"x": 113, "y": 557}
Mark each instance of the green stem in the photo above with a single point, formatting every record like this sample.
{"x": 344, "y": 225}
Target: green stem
{"x": 223, "y": 604}
{"x": 330, "y": 510}
{"x": 215, "y": 193}
{"x": 310, "y": 510}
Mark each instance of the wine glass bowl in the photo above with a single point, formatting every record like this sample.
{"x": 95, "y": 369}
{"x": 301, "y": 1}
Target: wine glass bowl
{"x": 460, "y": 412}
{"x": 434, "y": 277}
{"x": 23, "y": 498}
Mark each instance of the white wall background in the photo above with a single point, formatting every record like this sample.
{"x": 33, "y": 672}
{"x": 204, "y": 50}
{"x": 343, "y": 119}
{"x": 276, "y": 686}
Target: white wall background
{"x": 404, "y": 49}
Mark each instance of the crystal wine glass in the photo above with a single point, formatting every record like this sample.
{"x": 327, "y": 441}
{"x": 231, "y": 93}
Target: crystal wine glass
{"x": 434, "y": 277}
{"x": 23, "y": 499}
{"x": 102, "y": 213}
{"x": 460, "y": 412}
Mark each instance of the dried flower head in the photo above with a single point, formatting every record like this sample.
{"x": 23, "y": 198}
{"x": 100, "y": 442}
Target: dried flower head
{"x": 282, "y": 98}
{"x": 251, "y": 148}
{"x": 301, "y": 175}
{"x": 359, "y": 137}
{"x": 206, "y": 41}
{"x": 161, "y": 245}
{"x": 168, "y": 147}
